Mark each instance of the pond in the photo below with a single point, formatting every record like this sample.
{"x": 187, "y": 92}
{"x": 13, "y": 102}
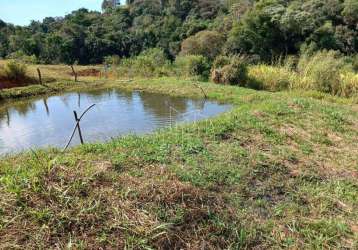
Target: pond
{"x": 49, "y": 121}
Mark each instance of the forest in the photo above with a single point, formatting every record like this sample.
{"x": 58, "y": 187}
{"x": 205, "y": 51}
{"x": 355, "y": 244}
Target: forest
{"x": 262, "y": 30}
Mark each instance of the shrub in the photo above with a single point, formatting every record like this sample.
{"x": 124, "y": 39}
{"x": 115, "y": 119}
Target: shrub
{"x": 206, "y": 43}
{"x": 15, "y": 71}
{"x": 192, "y": 65}
{"x": 355, "y": 63}
{"x": 21, "y": 56}
{"x": 321, "y": 71}
{"x": 112, "y": 60}
{"x": 154, "y": 57}
{"x": 152, "y": 62}
{"x": 221, "y": 61}
{"x": 350, "y": 12}
{"x": 232, "y": 70}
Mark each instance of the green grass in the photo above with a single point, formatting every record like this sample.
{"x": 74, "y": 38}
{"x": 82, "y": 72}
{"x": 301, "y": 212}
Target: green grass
{"x": 278, "y": 171}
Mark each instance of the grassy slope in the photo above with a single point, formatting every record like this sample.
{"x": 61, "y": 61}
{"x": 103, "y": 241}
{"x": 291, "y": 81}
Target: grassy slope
{"x": 280, "y": 170}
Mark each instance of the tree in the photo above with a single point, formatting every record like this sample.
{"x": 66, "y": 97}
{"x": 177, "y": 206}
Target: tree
{"x": 267, "y": 28}
{"x": 109, "y": 4}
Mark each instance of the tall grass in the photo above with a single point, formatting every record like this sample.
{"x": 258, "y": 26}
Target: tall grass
{"x": 321, "y": 72}
{"x": 325, "y": 71}
{"x": 271, "y": 78}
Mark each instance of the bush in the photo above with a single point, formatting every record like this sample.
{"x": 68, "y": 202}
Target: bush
{"x": 112, "y": 60}
{"x": 232, "y": 70}
{"x": 152, "y": 62}
{"x": 205, "y": 43}
{"x": 355, "y": 63}
{"x": 221, "y": 61}
{"x": 350, "y": 12}
{"x": 192, "y": 65}
{"x": 21, "y": 56}
{"x": 15, "y": 71}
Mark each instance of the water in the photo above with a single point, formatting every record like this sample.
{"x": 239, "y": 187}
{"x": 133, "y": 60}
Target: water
{"x": 49, "y": 121}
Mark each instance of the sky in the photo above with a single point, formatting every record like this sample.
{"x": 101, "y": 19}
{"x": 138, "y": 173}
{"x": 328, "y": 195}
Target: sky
{"x": 21, "y": 12}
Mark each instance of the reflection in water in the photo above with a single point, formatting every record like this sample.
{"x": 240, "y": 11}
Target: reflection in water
{"x": 79, "y": 100}
{"x": 46, "y": 107}
{"x": 48, "y": 121}
{"x": 159, "y": 105}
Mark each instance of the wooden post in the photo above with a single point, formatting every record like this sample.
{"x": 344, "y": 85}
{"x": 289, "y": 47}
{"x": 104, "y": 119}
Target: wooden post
{"x": 78, "y": 126}
{"x": 40, "y": 77}
{"x": 74, "y": 72}
{"x": 202, "y": 90}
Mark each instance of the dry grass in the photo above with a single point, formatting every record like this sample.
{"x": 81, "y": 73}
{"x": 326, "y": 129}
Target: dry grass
{"x": 272, "y": 78}
{"x": 61, "y": 72}
{"x": 278, "y": 78}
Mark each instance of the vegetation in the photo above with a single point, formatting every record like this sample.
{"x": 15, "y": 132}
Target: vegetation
{"x": 205, "y": 43}
{"x": 277, "y": 171}
{"x": 14, "y": 70}
{"x": 14, "y": 74}
{"x": 152, "y": 38}
{"x": 192, "y": 66}
{"x": 324, "y": 71}
{"x": 230, "y": 70}
{"x": 264, "y": 29}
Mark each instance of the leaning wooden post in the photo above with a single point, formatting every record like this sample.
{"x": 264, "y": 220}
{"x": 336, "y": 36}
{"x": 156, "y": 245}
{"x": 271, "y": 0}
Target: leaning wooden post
{"x": 40, "y": 77}
{"x": 78, "y": 126}
{"x": 202, "y": 90}
{"x": 74, "y": 72}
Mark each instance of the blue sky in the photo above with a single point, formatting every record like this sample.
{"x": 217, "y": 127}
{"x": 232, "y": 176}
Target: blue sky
{"x": 21, "y": 12}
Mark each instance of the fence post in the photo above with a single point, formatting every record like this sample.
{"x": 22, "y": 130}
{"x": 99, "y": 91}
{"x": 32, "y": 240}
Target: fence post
{"x": 40, "y": 77}
{"x": 78, "y": 126}
{"x": 202, "y": 90}
{"x": 74, "y": 72}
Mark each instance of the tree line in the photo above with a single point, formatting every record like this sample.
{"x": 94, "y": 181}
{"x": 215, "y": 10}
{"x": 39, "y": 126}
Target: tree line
{"x": 261, "y": 30}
